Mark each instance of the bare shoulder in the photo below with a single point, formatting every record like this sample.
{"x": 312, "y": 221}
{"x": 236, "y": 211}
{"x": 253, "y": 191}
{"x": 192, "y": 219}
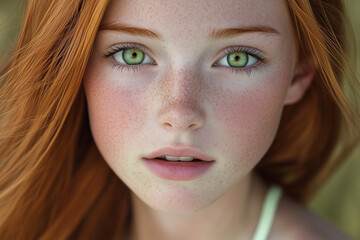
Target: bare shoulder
{"x": 294, "y": 221}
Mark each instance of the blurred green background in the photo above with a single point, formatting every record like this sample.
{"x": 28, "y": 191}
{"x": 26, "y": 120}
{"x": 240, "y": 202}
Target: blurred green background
{"x": 339, "y": 199}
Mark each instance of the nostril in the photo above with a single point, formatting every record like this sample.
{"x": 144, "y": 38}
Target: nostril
{"x": 181, "y": 117}
{"x": 169, "y": 126}
{"x": 192, "y": 126}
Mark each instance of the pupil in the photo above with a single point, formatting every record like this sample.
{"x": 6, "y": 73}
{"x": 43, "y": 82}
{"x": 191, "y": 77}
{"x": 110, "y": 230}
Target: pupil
{"x": 237, "y": 58}
{"x": 134, "y": 55}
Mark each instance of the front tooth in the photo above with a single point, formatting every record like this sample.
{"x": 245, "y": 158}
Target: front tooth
{"x": 171, "y": 158}
{"x": 186, "y": 159}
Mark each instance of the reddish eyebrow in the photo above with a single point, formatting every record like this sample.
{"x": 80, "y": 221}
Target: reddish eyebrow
{"x": 215, "y": 34}
{"x": 129, "y": 30}
{"x": 232, "y": 32}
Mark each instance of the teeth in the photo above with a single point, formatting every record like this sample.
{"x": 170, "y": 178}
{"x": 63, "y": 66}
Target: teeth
{"x": 185, "y": 159}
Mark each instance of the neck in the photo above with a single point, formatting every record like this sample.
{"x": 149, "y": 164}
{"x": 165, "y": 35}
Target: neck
{"x": 233, "y": 216}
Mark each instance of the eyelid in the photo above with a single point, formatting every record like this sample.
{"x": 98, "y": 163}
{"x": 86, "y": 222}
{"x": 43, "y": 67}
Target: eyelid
{"x": 249, "y": 50}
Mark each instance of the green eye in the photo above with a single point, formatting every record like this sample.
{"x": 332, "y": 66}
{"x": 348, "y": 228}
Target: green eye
{"x": 133, "y": 56}
{"x": 237, "y": 59}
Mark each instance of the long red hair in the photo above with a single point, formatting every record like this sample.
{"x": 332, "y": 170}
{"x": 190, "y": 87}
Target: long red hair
{"x": 54, "y": 183}
{"x": 302, "y": 155}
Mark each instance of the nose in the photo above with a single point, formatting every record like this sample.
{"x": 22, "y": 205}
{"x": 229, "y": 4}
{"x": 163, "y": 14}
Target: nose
{"x": 180, "y": 115}
{"x": 181, "y": 102}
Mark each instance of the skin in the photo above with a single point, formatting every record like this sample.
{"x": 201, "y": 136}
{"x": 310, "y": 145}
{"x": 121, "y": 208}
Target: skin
{"x": 184, "y": 100}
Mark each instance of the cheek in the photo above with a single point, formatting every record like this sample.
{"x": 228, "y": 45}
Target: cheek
{"x": 113, "y": 113}
{"x": 249, "y": 119}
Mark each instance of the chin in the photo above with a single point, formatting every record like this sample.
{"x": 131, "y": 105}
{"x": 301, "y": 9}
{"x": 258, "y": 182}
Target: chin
{"x": 180, "y": 207}
{"x": 178, "y": 199}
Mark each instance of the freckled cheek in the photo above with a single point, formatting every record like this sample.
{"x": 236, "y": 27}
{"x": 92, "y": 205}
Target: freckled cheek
{"x": 249, "y": 121}
{"x": 253, "y": 115}
{"x": 115, "y": 116}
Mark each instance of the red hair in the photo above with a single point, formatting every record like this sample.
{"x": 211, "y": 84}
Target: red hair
{"x": 301, "y": 156}
{"x": 53, "y": 179}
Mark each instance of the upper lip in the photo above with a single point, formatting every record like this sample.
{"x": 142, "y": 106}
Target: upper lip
{"x": 179, "y": 152}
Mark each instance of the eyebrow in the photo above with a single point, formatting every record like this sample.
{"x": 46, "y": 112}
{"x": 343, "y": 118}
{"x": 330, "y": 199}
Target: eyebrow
{"x": 215, "y": 34}
{"x": 136, "y": 31}
{"x": 232, "y": 32}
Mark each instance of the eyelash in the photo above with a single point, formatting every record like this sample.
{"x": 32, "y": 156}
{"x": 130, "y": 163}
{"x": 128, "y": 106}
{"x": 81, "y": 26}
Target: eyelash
{"x": 117, "y": 48}
{"x": 250, "y": 51}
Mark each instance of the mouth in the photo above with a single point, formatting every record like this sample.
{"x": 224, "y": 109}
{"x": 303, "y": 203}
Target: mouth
{"x": 178, "y": 170}
{"x": 179, "y": 154}
{"x": 179, "y": 164}
{"x": 178, "y": 159}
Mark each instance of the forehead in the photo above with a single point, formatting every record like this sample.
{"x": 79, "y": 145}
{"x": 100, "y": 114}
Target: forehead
{"x": 195, "y": 17}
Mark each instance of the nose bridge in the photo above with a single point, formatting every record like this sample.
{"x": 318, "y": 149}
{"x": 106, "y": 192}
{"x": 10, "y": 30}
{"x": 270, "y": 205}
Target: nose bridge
{"x": 181, "y": 100}
{"x": 182, "y": 84}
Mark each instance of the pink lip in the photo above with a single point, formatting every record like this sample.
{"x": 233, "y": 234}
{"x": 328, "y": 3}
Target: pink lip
{"x": 180, "y": 152}
{"x": 178, "y": 171}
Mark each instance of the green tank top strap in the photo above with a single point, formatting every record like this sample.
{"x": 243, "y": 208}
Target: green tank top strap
{"x": 268, "y": 213}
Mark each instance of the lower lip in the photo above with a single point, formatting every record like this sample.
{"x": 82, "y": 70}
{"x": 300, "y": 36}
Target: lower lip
{"x": 178, "y": 171}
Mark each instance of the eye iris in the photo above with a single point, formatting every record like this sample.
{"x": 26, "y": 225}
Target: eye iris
{"x": 237, "y": 59}
{"x": 133, "y": 56}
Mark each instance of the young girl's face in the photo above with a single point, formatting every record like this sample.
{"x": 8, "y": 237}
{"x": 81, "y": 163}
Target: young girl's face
{"x": 191, "y": 86}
